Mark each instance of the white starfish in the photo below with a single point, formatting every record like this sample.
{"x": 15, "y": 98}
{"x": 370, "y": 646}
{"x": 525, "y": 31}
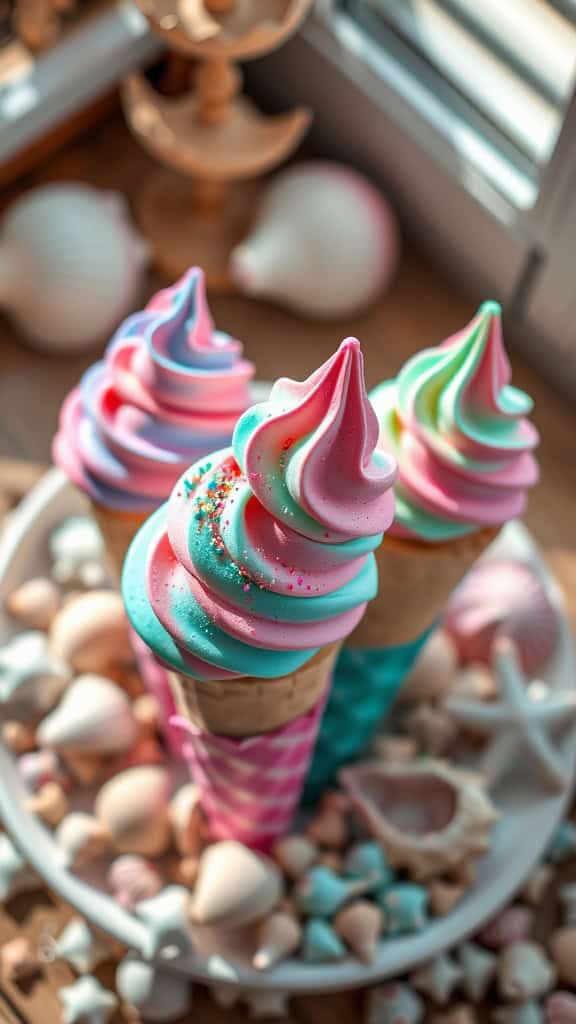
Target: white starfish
{"x": 87, "y": 1001}
{"x": 438, "y": 979}
{"x": 526, "y": 717}
{"x": 165, "y": 915}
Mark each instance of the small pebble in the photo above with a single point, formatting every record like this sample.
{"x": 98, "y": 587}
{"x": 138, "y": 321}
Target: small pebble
{"x": 360, "y": 925}
{"x": 432, "y": 727}
{"x": 132, "y": 879}
{"x": 187, "y": 820}
{"x": 525, "y": 972}
{"x": 279, "y": 936}
{"x": 513, "y": 924}
{"x": 18, "y": 961}
{"x": 560, "y": 1008}
{"x": 478, "y": 970}
{"x": 395, "y": 748}
{"x": 438, "y": 979}
{"x": 35, "y": 603}
{"x": 444, "y": 896}
{"x": 295, "y": 854}
{"x": 329, "y": 827}
{"x": 50, "y": 804}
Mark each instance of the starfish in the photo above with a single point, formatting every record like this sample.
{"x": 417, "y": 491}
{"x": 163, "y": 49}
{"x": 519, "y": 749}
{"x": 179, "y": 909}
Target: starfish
{"x": 165, "y": 916}
{"x": 87, "y": 1001}
{"x": 526, "y": 717}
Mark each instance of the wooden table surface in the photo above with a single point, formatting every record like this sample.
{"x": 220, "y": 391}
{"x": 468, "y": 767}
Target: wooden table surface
{"x": 420, "y": 309}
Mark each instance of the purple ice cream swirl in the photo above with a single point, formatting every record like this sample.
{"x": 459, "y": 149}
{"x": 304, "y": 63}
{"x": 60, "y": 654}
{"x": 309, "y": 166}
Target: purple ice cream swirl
{"x": 169, "y": 390}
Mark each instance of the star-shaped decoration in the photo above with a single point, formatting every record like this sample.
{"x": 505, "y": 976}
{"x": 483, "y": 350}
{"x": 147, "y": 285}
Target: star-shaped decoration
{"x": 167, "y": 922}
{"x": 526, "y": 720}
{"x": 438, "y": 979}
{"x": 87, "y": 1002}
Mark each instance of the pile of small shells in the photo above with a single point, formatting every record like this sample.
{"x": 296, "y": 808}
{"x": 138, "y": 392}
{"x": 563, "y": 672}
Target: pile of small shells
{"x": 76, "y": 716}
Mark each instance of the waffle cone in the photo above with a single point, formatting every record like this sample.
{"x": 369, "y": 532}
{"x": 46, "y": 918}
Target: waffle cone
{"x": 118, "y": 529}
{"x": 249, "y": 706}
{"x": 415, "y": 582}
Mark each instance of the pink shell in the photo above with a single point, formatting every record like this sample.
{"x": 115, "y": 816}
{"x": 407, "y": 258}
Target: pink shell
{"x": 512, "y": 925}
{"x": 131, "y": 879}
{"x": 560, "y": 1008}
{"x": 502, "y": 594}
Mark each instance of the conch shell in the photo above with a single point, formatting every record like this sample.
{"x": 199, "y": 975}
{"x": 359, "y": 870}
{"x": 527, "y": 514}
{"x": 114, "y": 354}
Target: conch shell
{"x": 430, "y": 818}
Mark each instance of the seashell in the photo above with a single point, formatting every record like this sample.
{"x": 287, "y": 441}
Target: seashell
{"x": 19, "y": 737}
{"x": 513, "y": 924}
{"x": 79, "y": 946}
{"x": 50, "y": 804}
{"x": 133, "y": 807}
{"x": 459, "y": 1014}
{"x": 429, "y": 817}
{"x": 132, "y": 879}
{"x": 502, "y": 595}
{"x": 39, "y": 767}
{"x": 475, "y": 682}
{"x": 525, "y": 1013}
{"x": 235, "y": 886}
{"x": 34, "y": 603}
{"x": 394, "y": 1003}
{"x": 86, "y": 769}
{"x": 525, "y": 972}
{"x": 537, "y": 884}
{"x": 18, "y": 961}
{"x": 395, "y": 748}
{"x": 320, "y": 943}
{"x": 184, "y": 871}
{"x": 437, "y": 979}
{"x": 187, "y": 820}
{"x": 444, "y": 896}
{"x": 478, "y": 970}
{"x": 87, "y": 1001}
{"x": 15, "y": 874}
{"x": 405, "y": 908}
{"x": 94, "y": 717}
{"x": 279, "y": 936}
{"x": 321, "y": 892}
{"x": 562, "y": 846}
{"x": 166, "y": 918}
{"x": 295, "y": 854}
{"x": 78, "y": 553}
{"x": 82, "y": 838}
{"x": 567, "y": 895}
{"x": 147, "y": 713}
{"x": 560, "y": 1008}
{"x": 32, "y": 679}
{"x": 433, "y": 671}
{"x": 152, "y": 994}
{"x": 562, "y": 946}
{"x": 360, "y": 925}
{"x": 329, "y": 827}
{"x": 291, "y": 253}
{"x": 433, "y": 728}
{"x": 90, "y": 633}
{"x": 77, "y": 243}
{"x": 368, "y": 859}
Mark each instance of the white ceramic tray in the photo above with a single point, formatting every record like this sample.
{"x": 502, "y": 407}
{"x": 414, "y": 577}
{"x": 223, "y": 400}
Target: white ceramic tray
{"x": 530, "y": 813}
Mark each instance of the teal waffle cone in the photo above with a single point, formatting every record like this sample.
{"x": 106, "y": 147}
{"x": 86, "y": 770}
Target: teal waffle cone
{"x": 364, "y": 687}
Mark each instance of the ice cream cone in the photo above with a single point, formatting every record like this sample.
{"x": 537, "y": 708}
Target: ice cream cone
{"x": 118, "y": 529}
{"x": 248, "y": 706}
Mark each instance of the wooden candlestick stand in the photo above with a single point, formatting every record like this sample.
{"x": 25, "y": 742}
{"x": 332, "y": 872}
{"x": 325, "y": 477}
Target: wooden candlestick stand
{"x": 212, "y": 134}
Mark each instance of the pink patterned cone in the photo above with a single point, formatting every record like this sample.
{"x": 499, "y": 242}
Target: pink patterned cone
{"x": 156, "y": 681}
{"x": 250, "y": 788}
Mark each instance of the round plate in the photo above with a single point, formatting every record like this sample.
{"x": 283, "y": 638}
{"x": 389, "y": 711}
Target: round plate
{"x": 529, "y": 812}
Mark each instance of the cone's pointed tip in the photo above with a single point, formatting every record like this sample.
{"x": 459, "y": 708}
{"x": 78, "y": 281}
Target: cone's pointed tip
{"x": 490, "y": 308}
{"x": 350, "y": 345}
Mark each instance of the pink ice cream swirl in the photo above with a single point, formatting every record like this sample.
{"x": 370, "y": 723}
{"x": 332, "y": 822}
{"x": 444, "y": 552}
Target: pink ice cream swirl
{"x": 460, "y": 433}
{"x": 169, "y": 389}
{"x": 264, "y": 552}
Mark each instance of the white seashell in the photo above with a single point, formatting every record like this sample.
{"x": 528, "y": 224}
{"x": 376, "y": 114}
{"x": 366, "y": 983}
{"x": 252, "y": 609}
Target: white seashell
{"x": 437, "y": 979}
{"x": 90, "y": 633}
{"x": 433, "y": 671}
{"x": 15, "y": 874}
{"x": 34, "y": 603}
{"x": 32, "y": 679}
{"x": 187, "y": 820}
{"x": 525, "y": 972}
{"x": 154, "y": 995}
{"x": 393, "y": 1003}
{"x": 131, "y": 879}
{"x": 562, "y": 946}
{"x": 82, "y": 838}
{"x": 478, "y": 970}
{"x": 86, "y": 1001}
{"x": 79, "y": 946}
{"x": 430, "y": 818}
{"x": 94, "y": 717}
{"x": 85, "y": 258}
{"x": 133, "y": 807}
{"x": 78, "y": 553}
{"x": 360, "y": 925}
{"x": 235, "y": 886}
{"x": 295, "y": 854}
{"x": 279, "y": 936}
{"x": 308, "y": 217}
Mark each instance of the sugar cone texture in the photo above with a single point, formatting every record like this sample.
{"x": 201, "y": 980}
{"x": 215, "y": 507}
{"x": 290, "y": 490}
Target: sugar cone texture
{"x": 414, "y": 584}
{"x": 118, "y": 529}
{"x": 249, "y": 706}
